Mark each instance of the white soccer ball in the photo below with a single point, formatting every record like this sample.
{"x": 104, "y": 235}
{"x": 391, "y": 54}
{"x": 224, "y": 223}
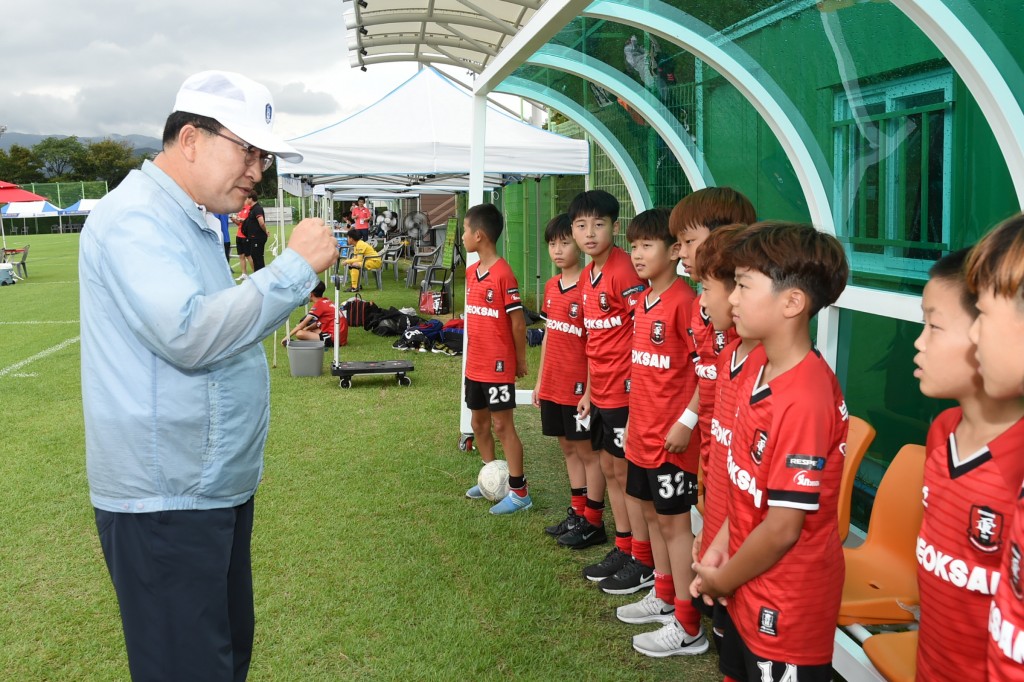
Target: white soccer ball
{"x": 493, "y": 480}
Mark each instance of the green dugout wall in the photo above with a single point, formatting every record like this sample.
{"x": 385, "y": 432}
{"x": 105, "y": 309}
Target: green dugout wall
{"x": 896, "y": 125}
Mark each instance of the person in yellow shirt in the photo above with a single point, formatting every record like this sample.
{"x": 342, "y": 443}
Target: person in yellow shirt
{"x": 360, "y": 251}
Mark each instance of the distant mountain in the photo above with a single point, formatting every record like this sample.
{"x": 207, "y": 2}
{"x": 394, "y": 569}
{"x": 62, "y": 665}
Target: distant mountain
{"x": 143, "y": 143}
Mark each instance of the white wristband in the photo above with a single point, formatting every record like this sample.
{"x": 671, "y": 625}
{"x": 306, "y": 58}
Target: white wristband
{"x": 689, "y": 419}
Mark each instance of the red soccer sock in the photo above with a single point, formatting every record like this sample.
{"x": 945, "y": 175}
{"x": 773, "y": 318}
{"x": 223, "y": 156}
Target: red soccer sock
{"x": 624, "y": 541}
{"x": 517, "y": 484}
{"x": 642, "y": 552}
{"x": 687, "y": 615}
{"x": 729, "y": 679}
{"x": 593, "y": 512}
{"x": 664, "y": 588}
{"x": 578, "y": 500}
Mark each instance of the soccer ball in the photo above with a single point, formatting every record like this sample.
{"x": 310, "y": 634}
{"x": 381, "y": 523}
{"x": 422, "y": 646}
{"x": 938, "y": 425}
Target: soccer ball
{"x": 493, "y": 480}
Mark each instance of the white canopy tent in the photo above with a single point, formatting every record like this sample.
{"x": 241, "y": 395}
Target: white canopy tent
{"x": 31, "y": 209}
{"x": 420, "y": 135}
{"x": 81, "y": 207}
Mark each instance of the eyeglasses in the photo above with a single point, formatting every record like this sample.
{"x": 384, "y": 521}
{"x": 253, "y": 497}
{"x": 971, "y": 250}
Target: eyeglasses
{"x": 252, "y": 154}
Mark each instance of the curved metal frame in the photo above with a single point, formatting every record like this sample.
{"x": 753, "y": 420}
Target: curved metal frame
{"x": 574, "y": 62}
{"x": 768, "y": 99}
{"x": 618, "y": 155}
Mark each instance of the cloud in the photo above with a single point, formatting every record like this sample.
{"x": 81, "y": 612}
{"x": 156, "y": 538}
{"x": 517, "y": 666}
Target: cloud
{"x": 108, "y": 66}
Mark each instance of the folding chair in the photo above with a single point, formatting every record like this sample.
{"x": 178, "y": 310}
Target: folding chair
{"x": 21, "y": 265}
{"x": 881, "y": 574}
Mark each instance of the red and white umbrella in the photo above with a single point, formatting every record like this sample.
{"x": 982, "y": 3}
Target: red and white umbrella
{"x": 9, "y": 192}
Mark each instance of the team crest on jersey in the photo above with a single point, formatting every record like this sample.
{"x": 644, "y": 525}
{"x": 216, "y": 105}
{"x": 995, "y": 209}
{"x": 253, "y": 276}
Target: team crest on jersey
{"x": 489, "y": 297}
{"x": 768, "y": 622}
{"x": 578, "y": 388}
{"x": 758, "y": 446}
{"x": 657, "y": 332}
{"x": 574, "y": 310}
{"x": 986, "y": 529}
{"x": 719, "y": 341}
{"x": 1015, "y": 558}
{"x": 602, "y": 302}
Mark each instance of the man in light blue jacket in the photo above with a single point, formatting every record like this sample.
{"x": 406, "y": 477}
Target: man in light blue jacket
{"x": 175, "y": 384}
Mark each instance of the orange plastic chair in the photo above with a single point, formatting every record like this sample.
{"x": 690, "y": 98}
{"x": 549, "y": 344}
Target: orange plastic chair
{"x": 882, "y": 573}
{"x": 858, "y": 441}
{"x": 894, "y": 655}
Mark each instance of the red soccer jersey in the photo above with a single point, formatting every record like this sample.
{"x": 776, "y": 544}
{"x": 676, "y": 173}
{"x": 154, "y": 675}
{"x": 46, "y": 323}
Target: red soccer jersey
{"x": 709, "y": 343}
{"x": 1006, "y": 615}
{"x": 969, "y": 501}
{"x": 323, "y": 311}
{"x": 564, "y": 374}
{"x": 490, "y": 348}
{"x": 787, "y": 451}
{"x": 609, "y": 298}
{"x": 361, "y": 214}
{"x": 716, "y": 475}
{"x": 662, "y": 381}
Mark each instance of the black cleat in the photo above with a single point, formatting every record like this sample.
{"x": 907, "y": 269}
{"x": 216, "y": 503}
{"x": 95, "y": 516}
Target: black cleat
{"x": 632, "y": 577}
{"x": 565, "y": 525}
{"x": 583, "y": 535}
{"x": 612, "y": 562}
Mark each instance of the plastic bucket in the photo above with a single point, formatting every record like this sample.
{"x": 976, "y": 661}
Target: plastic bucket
{"x": 306, "y": 358}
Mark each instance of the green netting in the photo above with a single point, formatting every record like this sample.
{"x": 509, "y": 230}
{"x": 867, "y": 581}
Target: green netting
{"x": 63, "y": 194}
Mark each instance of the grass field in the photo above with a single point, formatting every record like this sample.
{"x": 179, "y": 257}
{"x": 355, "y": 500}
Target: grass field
{"x": 369, "y": 562}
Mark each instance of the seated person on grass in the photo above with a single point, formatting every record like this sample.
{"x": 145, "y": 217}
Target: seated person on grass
{"x": 360, "y": 251}
{"x": 318, "y": 323}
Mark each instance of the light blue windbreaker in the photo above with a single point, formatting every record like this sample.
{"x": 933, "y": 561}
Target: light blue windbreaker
{"x": 175, "y": 385}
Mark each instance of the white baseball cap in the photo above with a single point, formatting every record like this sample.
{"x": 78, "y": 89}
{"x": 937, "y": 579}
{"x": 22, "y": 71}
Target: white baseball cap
{"x": 240, "y": 104}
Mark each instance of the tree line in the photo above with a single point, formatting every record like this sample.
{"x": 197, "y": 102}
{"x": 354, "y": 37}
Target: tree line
{"x": 69, "y": 159}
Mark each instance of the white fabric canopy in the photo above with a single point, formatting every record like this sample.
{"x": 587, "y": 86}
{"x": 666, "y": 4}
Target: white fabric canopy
{"x": 30, "y": 209}
{"x": 81, "y": 207}
{"x": 420, "y": 134}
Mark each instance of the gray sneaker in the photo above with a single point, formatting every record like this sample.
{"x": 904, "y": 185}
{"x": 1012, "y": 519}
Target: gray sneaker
{"x": 650, "y": 609}
{"x": 671, "y": 640}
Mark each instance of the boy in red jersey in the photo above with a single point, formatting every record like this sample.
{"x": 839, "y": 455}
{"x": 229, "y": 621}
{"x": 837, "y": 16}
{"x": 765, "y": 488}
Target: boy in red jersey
{"x": 562, "y": 377}
{"x": 714, "y": 268}
{"x": 495, "y": 352}
{"x": 318, "y": 323}
{"x": 611, "y": 289}
{"x": 995, "y": 271}
{"x": 662, "y": 480}
{"x": 971, "y": 479}
{"x": 784, "y": 572}
{"x": 696, "y": 217}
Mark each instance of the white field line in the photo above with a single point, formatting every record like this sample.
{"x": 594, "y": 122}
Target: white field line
{"x": 2, "y": 322}
{"x": 38, "y": 356}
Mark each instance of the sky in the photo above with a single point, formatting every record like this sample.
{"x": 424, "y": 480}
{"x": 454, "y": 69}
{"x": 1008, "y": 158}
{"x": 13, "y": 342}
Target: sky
{"x": 114, "y": 66}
